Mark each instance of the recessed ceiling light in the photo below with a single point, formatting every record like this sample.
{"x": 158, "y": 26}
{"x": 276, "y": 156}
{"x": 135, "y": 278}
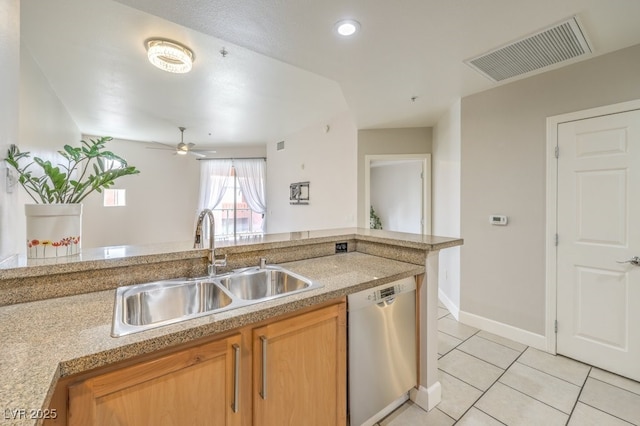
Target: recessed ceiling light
{"x": 347, "y": 27}
{"x": 169, "y": 56}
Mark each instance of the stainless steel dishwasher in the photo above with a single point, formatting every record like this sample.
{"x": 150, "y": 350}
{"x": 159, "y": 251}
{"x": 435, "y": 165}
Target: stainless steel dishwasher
{"x": 382, "y": 350}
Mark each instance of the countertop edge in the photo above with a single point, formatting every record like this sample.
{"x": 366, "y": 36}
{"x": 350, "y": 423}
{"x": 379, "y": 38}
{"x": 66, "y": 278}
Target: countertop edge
{"x": 155, "y": 253}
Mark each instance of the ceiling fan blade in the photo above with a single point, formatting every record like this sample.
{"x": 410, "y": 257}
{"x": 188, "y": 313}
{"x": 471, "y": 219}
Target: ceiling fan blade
{"x": 165, "y": 145}
{"x": 162, "y": 149}
{"x": 205, "y": 151}
{"x": 197, "y": 154}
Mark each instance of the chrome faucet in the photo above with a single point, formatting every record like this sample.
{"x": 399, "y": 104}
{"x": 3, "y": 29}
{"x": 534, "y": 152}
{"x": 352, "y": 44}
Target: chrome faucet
{"x": 197, "y": 243}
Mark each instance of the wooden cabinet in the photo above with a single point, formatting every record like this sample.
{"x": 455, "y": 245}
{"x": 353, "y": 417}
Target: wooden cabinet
{"x": 196, "y": 386}
{"x": 286, "y": 371}
{"x": 299, "y": 370}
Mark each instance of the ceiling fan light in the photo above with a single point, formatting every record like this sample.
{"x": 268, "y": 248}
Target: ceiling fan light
{"x": 169, "y": 56}
{"x": 181, "y": 152}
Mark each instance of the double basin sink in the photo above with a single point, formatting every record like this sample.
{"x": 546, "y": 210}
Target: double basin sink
{"x": 141, "y": 307}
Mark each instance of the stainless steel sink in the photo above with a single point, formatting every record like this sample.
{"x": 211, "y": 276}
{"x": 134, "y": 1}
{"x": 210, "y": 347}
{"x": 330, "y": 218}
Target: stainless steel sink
{"x": 261, "y": 284}
{"x": 164, "y": 301}
{"x": 141, "y": 307}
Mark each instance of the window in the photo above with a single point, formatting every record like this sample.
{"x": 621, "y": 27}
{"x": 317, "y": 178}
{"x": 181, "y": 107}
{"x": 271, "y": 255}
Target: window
{"x": 234, "y": 190}
{"x": 233, "y": 214}
{"x": 114, "y": 197}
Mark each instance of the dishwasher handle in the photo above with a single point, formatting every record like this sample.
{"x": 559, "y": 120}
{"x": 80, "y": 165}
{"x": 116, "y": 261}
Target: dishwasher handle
{"x": 387, "y": 302}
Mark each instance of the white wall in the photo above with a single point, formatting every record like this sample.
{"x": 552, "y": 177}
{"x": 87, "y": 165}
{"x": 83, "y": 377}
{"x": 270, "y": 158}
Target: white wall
{"x": 45, "y": 122}
{"x": 325, "y": 159}
{"x": 503, "y": 171}
{"x": 446, "y": 202}
{"x": 41, "y": 123}
{"x": 161, "y": 201}
{"x": 9, "y": 104}
{"x": 395, "y": 195}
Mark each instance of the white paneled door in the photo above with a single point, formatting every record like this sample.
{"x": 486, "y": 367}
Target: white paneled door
{"x": 598, "y": 223}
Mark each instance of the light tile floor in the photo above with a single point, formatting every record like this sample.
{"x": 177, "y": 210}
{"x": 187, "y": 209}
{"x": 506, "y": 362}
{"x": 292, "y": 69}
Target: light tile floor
{"x": 489, "y": 380}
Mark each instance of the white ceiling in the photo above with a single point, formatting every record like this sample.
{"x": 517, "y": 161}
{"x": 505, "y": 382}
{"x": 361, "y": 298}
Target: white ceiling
{"x": 285, "y": 69}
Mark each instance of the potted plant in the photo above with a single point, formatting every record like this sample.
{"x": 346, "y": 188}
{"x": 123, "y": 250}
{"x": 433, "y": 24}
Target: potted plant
{"x": 374, "y": 219}
{"x": 54, "y": 222}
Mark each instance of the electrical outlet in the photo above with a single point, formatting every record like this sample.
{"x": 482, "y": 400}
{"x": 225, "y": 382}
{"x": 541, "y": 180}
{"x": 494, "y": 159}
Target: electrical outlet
{"x": 341, "y": 247}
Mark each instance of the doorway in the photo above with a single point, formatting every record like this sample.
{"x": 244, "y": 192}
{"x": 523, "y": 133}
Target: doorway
{"x": 398, "y": 187}
{"x": 590, "y": 269}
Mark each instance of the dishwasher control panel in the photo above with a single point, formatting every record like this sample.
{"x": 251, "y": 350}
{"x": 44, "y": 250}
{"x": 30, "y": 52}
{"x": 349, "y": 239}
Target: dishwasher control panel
{"x": 386, "y": 292}
{"x": 380, "y": 294}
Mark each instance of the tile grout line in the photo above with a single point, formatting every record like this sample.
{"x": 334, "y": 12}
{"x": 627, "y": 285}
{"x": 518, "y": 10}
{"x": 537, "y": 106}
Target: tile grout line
{"x": 488, "y": 362}
{"x": 553, "y": 375}
{"x": 492, "y": 384}
{"x": 579, "y": 394}
{"x": 454, "y": 420}
{"x": 483, "y": 391}
{"x": 456, "y": 337}
{"x": 536, "y": 399}
{"x": 482, "y": 411}
{"x": 611, "y": 384}
{"x": 498, "y": 343}
{"x": 607, "y": 413}
{"x": 596, "y": 408}
{"x": 469, "y": 384}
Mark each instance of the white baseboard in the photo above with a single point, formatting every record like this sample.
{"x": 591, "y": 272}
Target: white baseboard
{"x": 452, "y": 307}
{"x": 427, "y": 398}
{"x": 519, "y": 335}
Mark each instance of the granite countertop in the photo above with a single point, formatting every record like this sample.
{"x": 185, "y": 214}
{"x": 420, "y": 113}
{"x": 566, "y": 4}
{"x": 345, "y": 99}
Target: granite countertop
{"x": 48, "y": 339}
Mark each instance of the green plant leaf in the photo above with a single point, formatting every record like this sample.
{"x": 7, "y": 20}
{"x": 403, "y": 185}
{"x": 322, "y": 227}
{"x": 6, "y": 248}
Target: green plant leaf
{"x": 55, "y": 184}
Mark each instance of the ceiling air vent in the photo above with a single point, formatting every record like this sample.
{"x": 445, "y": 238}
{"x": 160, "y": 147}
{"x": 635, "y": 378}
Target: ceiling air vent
{"x": 280, "y": 146}
{"x": 550, "y": 46}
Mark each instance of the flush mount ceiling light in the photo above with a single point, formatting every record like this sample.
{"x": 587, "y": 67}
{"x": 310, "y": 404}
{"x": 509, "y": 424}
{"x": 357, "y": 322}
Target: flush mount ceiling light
{"x": 169, "y": 56}
{"x": 347, "y": 27}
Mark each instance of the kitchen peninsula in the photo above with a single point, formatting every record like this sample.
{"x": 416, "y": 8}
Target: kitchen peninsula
{"x": 56, "y": 317}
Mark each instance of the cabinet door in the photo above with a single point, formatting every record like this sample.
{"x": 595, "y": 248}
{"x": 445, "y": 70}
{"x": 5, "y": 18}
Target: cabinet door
{"x": 299, "y": 369}
{"x": 196, "y": 386}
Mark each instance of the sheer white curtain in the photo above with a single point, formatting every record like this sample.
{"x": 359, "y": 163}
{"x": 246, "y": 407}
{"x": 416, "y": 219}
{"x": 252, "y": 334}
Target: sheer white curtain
{"x": 214, "y": 175}
{"x": 251, "y": 174}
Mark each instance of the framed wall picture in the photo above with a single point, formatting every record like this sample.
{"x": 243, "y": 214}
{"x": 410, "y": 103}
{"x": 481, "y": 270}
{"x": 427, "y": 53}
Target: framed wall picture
{"x": 299, "y": 193}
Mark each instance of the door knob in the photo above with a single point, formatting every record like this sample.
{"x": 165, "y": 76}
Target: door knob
{"x": 635, "y": 260}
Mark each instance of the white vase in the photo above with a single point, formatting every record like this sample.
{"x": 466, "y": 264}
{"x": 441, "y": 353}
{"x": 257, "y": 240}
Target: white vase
{"x": 53, "y": 230}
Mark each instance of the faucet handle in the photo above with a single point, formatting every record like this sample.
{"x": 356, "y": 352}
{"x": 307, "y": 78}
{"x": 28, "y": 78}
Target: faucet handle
{"x": 197, "y": 240}
{"x": 220, "y": 262}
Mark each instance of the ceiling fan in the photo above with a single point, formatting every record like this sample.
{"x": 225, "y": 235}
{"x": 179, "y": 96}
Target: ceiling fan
{"x": 183, "y": 148}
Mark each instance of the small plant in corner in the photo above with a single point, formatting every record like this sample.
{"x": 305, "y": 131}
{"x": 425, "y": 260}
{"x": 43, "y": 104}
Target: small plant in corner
{"x": 89, "y": 167}
{"x": 374, "y": 220}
